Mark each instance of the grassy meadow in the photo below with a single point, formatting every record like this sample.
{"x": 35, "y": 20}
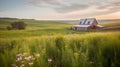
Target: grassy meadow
{"x": 53, "y": 44}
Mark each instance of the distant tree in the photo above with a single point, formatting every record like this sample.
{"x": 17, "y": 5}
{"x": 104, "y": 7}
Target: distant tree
{"x": 9, "y": 28}
{"x": 18, "y": 25}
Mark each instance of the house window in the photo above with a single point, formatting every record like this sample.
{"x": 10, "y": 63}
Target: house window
{"x": 88, "y": 22}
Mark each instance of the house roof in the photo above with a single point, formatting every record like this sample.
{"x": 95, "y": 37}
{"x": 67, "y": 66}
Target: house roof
{"x": 81, "y": 25}
{"x": 87, "y": 21}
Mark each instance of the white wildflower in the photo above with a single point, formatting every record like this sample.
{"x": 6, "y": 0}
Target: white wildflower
{"x": 22, "y": 65}
{"x": 49, "y": 60}
{"x": 28, "y": 58}
{"x": 19, "y": 58}
{"x": 30, "y": 63}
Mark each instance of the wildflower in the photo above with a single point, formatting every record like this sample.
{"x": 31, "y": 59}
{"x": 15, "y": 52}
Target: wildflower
{"x": 22, "y": 65}
{"x": 30, "y": 63}
{"x": 28, "y": 58}
{"x": 49, "y": 60}
{"x": 20, "y": 58}
{"x": 17, "y": 60}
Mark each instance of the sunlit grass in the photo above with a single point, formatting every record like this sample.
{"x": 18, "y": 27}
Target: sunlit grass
{"x": 111, "y": 24}
{"x": 58, "y": 46}
{"x": 74, "y": 50}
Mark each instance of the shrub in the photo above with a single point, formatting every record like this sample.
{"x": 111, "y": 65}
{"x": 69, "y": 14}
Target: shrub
{"x": 18, "y": 25}
{"x": 9, "y": 28}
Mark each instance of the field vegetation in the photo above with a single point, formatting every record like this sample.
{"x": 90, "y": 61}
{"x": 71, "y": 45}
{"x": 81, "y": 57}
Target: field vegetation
{"x": 53, "y": 44}
{"x": 111, "y": 24}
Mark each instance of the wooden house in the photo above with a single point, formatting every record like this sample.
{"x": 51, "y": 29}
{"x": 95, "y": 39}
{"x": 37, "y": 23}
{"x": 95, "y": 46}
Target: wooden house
{"x": 87, "y": 24}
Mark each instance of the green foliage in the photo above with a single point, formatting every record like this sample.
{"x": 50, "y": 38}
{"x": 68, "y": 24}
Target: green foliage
{"x": 9, "y": 28}
{"x": 18, "y": 25}
{"x": 85, "y": 50}
{"x": 111, "y": 24}
{"x": 58, "y": 46}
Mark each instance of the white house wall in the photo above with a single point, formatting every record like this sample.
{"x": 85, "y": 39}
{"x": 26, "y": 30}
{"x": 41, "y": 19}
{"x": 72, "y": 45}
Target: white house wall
{"x": 81, "y": 28}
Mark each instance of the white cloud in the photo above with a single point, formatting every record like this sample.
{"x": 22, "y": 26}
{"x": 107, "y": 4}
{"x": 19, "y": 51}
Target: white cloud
{"x": 65, "y": 6}
{"x": 45, "y": 3}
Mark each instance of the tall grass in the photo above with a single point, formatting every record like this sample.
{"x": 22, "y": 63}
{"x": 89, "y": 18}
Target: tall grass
{"x": 52, "y": 44}
{"x": 73, "y": 50}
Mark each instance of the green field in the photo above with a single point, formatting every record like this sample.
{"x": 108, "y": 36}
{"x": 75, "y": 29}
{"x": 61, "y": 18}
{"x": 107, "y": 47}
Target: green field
{"x": 53, "y": 44}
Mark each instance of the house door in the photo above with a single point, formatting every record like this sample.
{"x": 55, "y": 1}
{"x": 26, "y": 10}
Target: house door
{"x": 94, "y": 27}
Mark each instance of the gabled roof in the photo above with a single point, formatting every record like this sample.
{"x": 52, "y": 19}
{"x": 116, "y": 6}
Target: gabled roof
{"x": 87, "y": 21}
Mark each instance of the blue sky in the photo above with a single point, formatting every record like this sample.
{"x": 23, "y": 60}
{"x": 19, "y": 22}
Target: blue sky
{"x": 60, "y": 9}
